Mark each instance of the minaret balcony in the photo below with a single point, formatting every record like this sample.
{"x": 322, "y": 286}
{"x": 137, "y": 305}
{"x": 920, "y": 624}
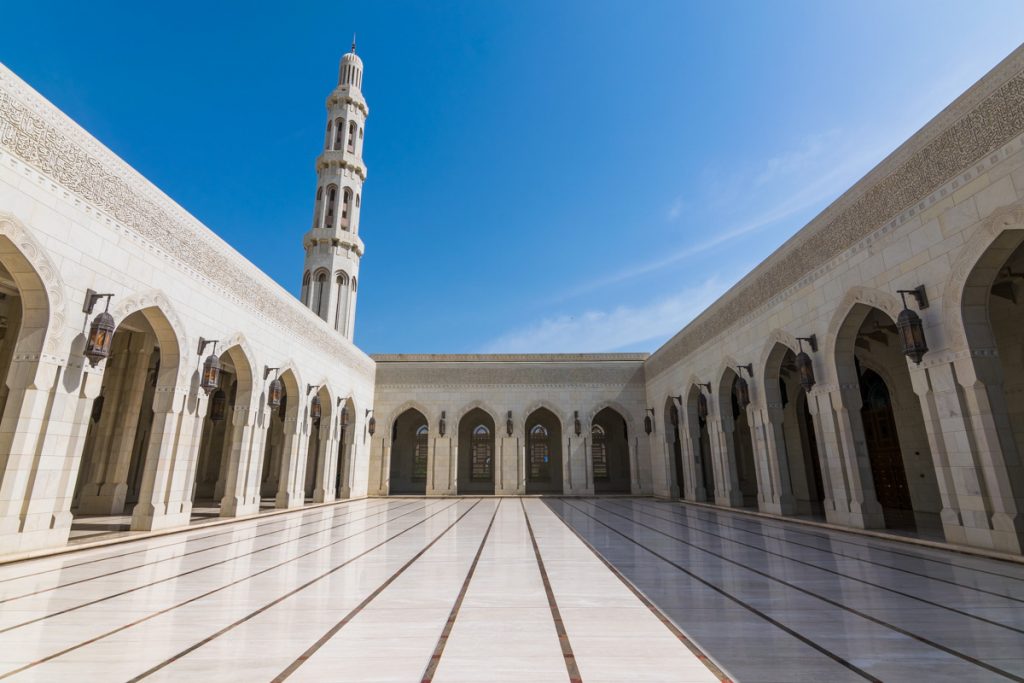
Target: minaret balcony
{"x": 336, "y": 238}
{"x": 337, "y": 158}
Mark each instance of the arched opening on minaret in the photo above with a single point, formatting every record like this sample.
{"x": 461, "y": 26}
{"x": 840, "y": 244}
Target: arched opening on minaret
{"x": 341, "y": 284}
{"x": 346, "y": 207}
{"x": 332, "y": 206}
{"x": 352, "y": 136}
{"x": 338, "y": 132}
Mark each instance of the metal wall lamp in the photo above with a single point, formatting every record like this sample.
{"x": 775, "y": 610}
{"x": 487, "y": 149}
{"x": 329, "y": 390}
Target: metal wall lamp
{"x": 910, "y": 326}
{"x": 804, "y": 366}
{"x": 101, "y": 331}
{"x": 210, "y": 377}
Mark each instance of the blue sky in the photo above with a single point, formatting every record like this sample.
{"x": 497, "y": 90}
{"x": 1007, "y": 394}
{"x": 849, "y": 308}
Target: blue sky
{"x": 543, "y": 176}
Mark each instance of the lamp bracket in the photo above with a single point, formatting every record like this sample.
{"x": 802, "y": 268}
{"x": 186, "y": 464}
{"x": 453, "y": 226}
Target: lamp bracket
{"x": 705, "y": 385}
{"x": 368, "y": 411}
{"x": 91, "y": 297}
{"x": 203, "y": 343}
{"x": 812, "y": 341}
{"x": 267, "y": 370}
{"x": 749, "y": 367}
{"x": 309, "y": 388}
{"x": 678, "y": 399}
{"x": 918, "y": 293}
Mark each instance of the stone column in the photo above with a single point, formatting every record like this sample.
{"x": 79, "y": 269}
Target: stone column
{"x": 508, "y": 469}
{"x": 983, "y": 455}
{"x": 852, "y": 451}
{"x": 773, "y": 460}
{"x": 693, "y": 466}
{"x": 727, "y": 482}
{"x": 158, "y": 507}
{"x": 577, "y": 474}
{"x": 292, "y": 466}
{"x": 244, "y": 464}
{"x": 837, "y": 509}
{"x": 27, "y": 512}
{"x": 327, "y": 463}
{"x": 442, "y": 463}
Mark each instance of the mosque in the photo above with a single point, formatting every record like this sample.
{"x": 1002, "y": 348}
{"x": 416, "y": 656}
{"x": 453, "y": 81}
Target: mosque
{"x": 840, "y": 434}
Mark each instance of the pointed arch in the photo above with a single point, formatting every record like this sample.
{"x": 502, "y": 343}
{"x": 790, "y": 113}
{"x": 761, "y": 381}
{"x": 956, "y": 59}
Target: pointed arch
{"x": 40, "y": 288}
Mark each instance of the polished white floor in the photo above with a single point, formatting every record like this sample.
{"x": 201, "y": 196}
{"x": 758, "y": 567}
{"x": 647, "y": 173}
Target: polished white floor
{"x": 360, "y": 591}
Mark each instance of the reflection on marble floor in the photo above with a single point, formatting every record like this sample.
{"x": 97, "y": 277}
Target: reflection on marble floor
{"x": 484, "y": 589}
{"x": 373, "y": 590}
{"x": 771, "y": 600}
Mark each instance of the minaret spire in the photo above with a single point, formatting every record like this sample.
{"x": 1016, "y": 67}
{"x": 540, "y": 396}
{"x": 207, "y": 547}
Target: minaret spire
{"x": 332, "y": 244}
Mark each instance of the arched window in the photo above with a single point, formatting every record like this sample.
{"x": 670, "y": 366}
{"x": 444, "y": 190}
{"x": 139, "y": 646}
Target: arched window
{"x": 482, "y": 455}
{"x": 360, "y": 133}
{"x": 419, "y": 458}
{"x": 341, "y": 306}
{"x": 540, "y": 454}
{"x": 357, "y": 201}
{"x": 304, "y": 297}
{"x": 352, "y": 136}
{"x": 599, "y": 453}
{"x": 320, "y": 295}
{"x": 339, "y": 130}
{"x": 327, "y": 139}
{"x": 318, "y": 206}
{"x": 346, "y": 206}
{"x": 332, "y": 203}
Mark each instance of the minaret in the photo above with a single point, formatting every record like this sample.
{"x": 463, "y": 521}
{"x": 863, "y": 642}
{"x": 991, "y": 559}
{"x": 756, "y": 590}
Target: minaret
{"x": 333, "y": 247}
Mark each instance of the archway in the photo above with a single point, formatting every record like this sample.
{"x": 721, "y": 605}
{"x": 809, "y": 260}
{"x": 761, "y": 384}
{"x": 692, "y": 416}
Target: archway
{"x": 476, "y": 453}
{"x": 795, "y": 443}
{"x": 891, "y": 425}
{"x": 739, "y": 444}
{"x": 280, "y": 447}
{"x": 315, "y": 477}
{"x": 674, "y": 446}
{"x": 346, "y": 433}
{"x": 410, "y": 444}
{"x": 609, "y": 452}
{"x": 700, "y": 443}
{"x": 992, "y": 312}
{"x": 543, "y": 452}
{"x": 143, "y": 358}
{"x": 221, "y": 442}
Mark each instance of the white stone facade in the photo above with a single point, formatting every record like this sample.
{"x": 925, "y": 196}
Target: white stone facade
{"x": 724, "y": 413}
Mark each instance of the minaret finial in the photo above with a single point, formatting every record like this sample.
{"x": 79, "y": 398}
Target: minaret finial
{"x": 353, "y": 42}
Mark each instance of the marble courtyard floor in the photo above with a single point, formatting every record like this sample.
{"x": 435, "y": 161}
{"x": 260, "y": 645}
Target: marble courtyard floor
{"x": 508, "y": 589}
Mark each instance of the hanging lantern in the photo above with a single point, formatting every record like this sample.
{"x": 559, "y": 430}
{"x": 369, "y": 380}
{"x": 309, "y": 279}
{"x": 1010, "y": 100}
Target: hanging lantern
{"x": 911, "y": 331}
{"x": 211, "y": 373}
{"x": 702, "y": 406}
{"x": 371, "y": 426}
{"x": 742, "y": 393}
{"x": 218, "y": 406}
{"x": 648, "y": 423}
{"x": 805, "y": 368}
{"x": 275, "y": 393}
{"x": 508, "y": 423}
{"x": 315, "y": 409}
{"x": 577, "y": 427}
{"x": 344, "y": 417}
{"x": 442, "y": 424}
{"x": 101, "y": 336}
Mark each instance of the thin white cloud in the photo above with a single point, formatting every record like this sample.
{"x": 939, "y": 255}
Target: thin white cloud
{"x": 609, "y": 330}
{"x": 676, "y": 210}
{"x": 797, "y": 160}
